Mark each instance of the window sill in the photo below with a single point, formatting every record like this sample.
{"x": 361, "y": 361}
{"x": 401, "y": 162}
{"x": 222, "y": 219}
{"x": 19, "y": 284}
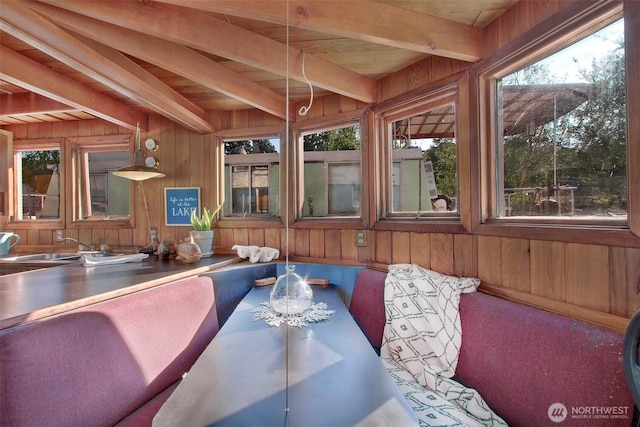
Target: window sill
{"x": 40, "y": 224}
{"x": 103, "y": 222}
{"x": 423, "y": 224}
{"x": 601, "y": 234}
{"x": 249, "y": 222}
{"x": 329, "y": 223}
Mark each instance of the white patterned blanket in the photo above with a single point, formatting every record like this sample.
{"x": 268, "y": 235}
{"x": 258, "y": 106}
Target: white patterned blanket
{"x": 422, "y": 336}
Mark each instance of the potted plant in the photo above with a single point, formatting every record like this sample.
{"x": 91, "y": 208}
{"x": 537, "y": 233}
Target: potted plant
{"x": 202, "y": 234}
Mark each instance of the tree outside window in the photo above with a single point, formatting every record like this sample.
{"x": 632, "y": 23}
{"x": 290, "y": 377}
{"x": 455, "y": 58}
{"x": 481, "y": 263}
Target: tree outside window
{"x": 424, "y": 165}
{"x": 38, "y": 178}
{"x": 563, "y": 133}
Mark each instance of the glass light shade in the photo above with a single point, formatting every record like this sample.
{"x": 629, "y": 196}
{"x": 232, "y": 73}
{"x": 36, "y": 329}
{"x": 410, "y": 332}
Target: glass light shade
{"x": 138, "y": 171}
{"x": 291, "y": 294}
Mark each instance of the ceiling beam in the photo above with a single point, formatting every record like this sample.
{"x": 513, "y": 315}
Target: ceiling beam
{"x": 30, "y": 103}
{"x": 208, "y": 34}
{"x": 171, "y": 56}
{"x": 113, "y": 70}
{"x": 153, "y": 92}
{"x": 30, "y": 75}
{"x": 381, "y": 24}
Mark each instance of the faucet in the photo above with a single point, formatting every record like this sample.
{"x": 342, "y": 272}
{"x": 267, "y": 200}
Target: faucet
{"x": 80, "y": 244}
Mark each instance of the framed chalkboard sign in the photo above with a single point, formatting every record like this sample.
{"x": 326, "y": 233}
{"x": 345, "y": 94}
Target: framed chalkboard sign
{"x": 178, "y": 204}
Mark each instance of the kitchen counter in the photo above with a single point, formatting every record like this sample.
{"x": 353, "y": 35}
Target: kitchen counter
{"x": 33, "y": 295}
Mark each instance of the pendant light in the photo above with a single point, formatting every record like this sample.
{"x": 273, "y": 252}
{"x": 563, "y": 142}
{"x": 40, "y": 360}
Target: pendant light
{"x": 139, "y": 171}
{"x": 291, "y": 294}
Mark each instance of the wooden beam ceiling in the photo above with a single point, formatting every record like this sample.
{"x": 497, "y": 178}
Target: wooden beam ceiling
{"x": 411, "y": 30}
{"x": 203, "y": 32}
{"x": 185, "y": 58}
{"x": 40, "y": 79}
{"x": 171, "y": 56}
{"x": 108, "y": 66}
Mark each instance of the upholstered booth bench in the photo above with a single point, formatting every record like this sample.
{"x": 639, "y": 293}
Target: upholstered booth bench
{"x": 523, "y": 360}
{"x": 112, "y": 362}
{"x": 116, "y": 362}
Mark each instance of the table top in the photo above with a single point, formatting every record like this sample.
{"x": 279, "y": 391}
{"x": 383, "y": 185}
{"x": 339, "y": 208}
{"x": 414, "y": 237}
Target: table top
{"x": 334, "y": 376}
{"x": 34, "y": 295}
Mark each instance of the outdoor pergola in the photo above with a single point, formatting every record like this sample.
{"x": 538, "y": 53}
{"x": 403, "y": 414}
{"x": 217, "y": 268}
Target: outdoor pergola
{"x": 525, "y": 107}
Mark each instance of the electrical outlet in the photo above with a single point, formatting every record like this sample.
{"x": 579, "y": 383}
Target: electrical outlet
{"x": 154, "y": 234}
{"x": 59, "y": 235}
{"x": 361, "y": 238}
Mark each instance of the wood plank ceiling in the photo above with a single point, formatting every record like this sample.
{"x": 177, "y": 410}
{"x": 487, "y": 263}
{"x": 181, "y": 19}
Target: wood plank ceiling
{"x": 123, "y": 59}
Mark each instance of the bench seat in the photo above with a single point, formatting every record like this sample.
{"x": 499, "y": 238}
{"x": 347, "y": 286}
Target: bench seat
{"x": 103, "y": 363}
{"x": 523, "y": 360}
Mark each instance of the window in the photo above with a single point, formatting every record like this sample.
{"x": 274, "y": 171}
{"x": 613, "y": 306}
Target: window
{"x": 252, "y": 178}
{"x": 420, "y": 154}
{"x": 42, "y": 180}
{"x": 98, "y": 193}
{"x": 37, "y": 178}
{"x": 561, "y": 139}
{"x": 331, "y": 172}
{"x": 423, "y": 162}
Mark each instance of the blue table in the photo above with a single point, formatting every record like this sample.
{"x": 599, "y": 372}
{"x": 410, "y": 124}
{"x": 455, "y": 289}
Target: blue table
{"x": 334, "y": 376}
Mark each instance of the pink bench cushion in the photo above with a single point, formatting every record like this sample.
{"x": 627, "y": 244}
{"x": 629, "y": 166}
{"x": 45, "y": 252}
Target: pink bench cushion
{"x": 96, "y": 365}
{"x": 522, "y": 360}
{"x": 367, "y": 304}
{"x": 143, "y": 416}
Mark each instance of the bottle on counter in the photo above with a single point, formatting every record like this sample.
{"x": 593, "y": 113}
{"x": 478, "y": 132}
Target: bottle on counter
{"x": 163, "y": 250}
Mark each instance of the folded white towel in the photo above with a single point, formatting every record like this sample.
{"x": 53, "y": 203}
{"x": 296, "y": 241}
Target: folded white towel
{"x": 91, "y": 260}
{"x": 256, "y": 253}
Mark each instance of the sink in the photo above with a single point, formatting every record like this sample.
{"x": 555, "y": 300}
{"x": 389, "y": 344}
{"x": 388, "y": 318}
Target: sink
{"x": 32, "y": 262}
{"x": 12, "y": 264}
{"x": 56, "y": 256}
{"x": 48, "y": 259}
{"x": 26, "y": 266}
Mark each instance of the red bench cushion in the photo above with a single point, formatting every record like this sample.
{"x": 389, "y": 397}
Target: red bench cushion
{"x": 522, "y": 360}
{"x": 96, "y": 365}
{"x": 367, "y": 304}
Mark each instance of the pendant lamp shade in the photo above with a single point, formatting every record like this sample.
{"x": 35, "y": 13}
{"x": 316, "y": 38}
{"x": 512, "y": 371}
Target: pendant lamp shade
{"x": 138, "y": 171}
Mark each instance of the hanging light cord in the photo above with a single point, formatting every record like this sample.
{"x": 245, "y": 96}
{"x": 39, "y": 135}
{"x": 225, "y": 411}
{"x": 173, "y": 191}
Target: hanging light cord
{"x": 305, "y": 109}
{"x": 288, "y": 152}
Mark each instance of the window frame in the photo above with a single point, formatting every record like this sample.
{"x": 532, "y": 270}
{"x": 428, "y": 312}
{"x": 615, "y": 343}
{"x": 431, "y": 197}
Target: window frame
{"x": 359, "y": 118}
{"x": 78, "y": 175}
{"x": 16, "y": 221}
{"x": 388, "y": 122}
{"x": 68, "y": 173}
{"x": 560, "y": 31}
{"x": 452, "y": 89}
{"x": 218, "y": 193}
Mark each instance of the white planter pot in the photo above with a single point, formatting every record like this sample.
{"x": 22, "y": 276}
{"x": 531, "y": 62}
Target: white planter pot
{"x": 204, "y": 239}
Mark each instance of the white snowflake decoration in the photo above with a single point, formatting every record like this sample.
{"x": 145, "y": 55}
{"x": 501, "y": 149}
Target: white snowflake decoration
{"x": 314, "y": 314}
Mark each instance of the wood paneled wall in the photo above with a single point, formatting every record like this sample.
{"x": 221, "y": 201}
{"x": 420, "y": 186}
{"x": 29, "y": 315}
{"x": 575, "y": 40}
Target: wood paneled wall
{"x": 597, "y": 283}
{"x": 592, "y": 282}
